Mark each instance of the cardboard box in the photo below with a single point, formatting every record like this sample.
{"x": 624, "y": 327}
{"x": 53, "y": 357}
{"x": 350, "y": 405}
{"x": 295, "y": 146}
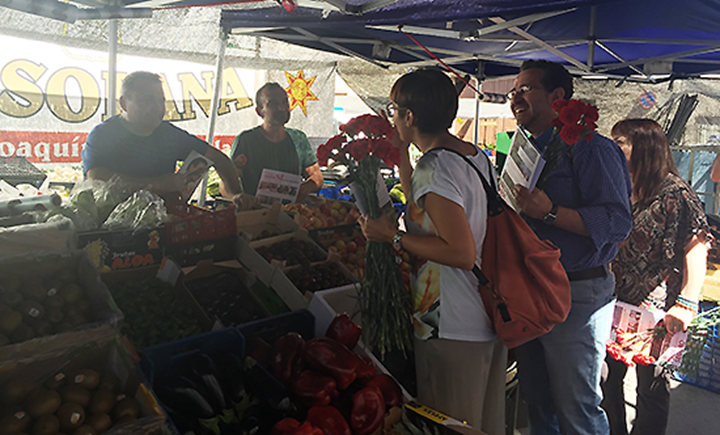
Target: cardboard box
{"x": 259, "y": 224}
{"x": 190, "y": 253}
{"x": 103, "y": 314}
{"x": 271, "y": 276}
{"x": 123, "y": 249}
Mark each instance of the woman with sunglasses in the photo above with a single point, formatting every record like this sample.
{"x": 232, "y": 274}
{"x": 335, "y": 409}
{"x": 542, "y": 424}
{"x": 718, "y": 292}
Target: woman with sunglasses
{"x": 460, "y": 361}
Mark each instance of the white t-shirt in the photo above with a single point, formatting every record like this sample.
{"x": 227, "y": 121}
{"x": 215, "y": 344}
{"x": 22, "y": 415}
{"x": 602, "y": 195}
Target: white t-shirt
{"x": 446, "y": 302}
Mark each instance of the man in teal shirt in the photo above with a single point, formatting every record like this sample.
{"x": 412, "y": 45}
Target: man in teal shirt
{"x": 273, "y": 146}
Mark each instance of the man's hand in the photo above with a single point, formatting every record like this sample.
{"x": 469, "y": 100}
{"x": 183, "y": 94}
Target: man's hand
{"x": 535, "y": 204}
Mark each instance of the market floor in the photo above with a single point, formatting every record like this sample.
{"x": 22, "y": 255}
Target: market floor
{"x": 693, "y": 411}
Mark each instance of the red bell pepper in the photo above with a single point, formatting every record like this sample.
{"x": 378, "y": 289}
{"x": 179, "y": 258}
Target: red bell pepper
{"x": 341, "y": 363}
{"x": 390, "y": 389}
{"x": 259, "y": 350}
{"x": 344, "y": 330}
{"x": 329, "y": 420}
{"x": 287, "y": 356}
{"x": 368, "y": 412}
{"x": 286, "y": 426}
{"x": 314, "y": 389}
{"x": 307, "y": 429}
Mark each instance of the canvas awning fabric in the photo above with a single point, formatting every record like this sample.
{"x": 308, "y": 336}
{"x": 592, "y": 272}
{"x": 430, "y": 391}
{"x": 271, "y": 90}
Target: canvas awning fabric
{"x": 634, "y": 39}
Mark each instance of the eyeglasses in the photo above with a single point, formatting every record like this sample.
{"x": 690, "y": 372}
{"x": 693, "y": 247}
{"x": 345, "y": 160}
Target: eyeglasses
{"x": 392, "y": 108}
{"x": 524, "y": 89}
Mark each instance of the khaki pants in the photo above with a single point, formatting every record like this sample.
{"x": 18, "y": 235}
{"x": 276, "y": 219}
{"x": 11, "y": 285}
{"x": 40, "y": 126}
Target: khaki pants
{"x": 465, "y": 380}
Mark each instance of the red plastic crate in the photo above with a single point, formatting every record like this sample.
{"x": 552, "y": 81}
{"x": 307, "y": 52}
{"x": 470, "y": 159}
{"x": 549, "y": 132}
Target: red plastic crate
{"x": 198, "y": 224}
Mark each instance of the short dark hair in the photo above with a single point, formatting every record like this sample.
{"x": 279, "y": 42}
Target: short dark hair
{"x": 554, "y": 75}
{"x": 130, "y": 82}
{"x": 269, "y": 86}
{"x": 430, "y": 95}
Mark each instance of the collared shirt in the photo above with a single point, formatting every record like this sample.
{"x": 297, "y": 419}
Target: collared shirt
{"x": 594, "y": 181}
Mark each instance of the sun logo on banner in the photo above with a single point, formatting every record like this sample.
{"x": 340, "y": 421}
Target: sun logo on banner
{"x": 299, "y": 90}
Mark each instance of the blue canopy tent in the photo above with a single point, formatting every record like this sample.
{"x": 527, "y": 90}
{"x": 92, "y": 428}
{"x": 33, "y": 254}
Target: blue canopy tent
{"x": 630, "y": 39}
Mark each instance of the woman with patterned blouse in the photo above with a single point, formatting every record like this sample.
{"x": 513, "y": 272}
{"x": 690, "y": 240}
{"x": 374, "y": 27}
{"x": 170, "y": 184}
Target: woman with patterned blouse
{"x": 662, "y": 264}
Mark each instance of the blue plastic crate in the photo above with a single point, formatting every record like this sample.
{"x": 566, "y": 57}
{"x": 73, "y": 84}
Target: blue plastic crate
{"x": 166, "y": 359}
{"x": 708, "y": 373}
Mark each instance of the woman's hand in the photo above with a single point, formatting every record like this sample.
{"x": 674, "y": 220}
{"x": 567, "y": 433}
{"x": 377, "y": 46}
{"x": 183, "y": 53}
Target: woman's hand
{"x": 678, "y": 319}
{"x": 378, "y": 230}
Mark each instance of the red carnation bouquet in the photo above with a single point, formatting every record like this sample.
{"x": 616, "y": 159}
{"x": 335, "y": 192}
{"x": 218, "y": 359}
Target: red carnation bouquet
{"x": 576, "y": 120}
{"x": 636, "y": 347}
{"x": 385, "y": 304}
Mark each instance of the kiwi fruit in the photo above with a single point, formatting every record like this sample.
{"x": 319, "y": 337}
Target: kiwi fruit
{"x": 111, "y": 383}
{"x": 31, "y": 310}
{"x": 85, "y": 429}
{"x": 127, "y": 407}
{"x": 12, "y": 298}
{"x": 22, "y": 333}
{"x": 86, "y": 378}
{"x": 102, "y": 401}
{"x": 54, "y": 302}
{"x": 82, "y": 305}
{"x": 15, "y": 422}
{"x": 42, "y": 401}
{"x": 52, "y": 287}
{"x": 46, "y": 425}
{"x": 4, "y": 340}
{"x": 71, "y": 416}
{"x": 41, "y": 327}
{"x": 124, "y": 420}
{"x": 9, "y": 321}
{"x": 34, "y": 289}
{"x": 56, "y": 381}
{"x": 76, "y": 394}
{"x": 66, "y": 276}
{"x": 71, "y": 293}
{"x": 101, "y": 422}
{"x": 54, "y": 315}
{"x": 13, "y": 392}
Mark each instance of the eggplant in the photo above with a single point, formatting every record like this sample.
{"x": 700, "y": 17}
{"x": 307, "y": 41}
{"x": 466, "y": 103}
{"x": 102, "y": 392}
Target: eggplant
{"x": 250, "y": 426}
{"x": 232, "y": 368}
{"x": 206, "y": 374}
{"x": 182, "y": 396}
{"x": 187, "y": 426}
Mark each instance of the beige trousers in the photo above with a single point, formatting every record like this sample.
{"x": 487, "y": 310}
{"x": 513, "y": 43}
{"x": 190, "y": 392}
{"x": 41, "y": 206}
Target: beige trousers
{"x": 465, "y": 380}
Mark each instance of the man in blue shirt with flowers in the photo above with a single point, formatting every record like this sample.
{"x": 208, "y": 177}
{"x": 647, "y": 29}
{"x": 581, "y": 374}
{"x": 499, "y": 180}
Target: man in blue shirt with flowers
{"x": 584, "y": 209}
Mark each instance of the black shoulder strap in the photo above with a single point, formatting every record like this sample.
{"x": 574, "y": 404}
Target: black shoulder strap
{"x": 495, "y": 204}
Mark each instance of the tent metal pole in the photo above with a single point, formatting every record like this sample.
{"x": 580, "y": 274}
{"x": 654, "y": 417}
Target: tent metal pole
{"x": 215, "y": 103}
{"x": 477, "y": 119}
{"x": 112, "y": 67}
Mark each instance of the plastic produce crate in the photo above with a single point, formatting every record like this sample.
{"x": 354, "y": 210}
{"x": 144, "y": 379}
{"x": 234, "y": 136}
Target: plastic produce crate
{"x": 168, "y": 358}
{"x": 198, "y": 224}
{"x": 708, "y": 371}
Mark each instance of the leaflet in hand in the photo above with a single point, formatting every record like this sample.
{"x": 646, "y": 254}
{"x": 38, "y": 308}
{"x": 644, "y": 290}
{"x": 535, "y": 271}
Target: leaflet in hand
{"x": 633, "y": 319}
{"x": 522, "y": 167}
{"x": 194, "y": 169}
{"x": 277, "y": 186}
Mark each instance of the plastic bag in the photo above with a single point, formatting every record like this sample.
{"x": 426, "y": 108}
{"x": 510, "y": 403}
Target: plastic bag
{"x": 109, "y": 194}
{"x": 141, "y": 211}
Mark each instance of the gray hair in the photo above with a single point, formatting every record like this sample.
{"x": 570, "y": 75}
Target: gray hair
{"x": 130, "y": 82}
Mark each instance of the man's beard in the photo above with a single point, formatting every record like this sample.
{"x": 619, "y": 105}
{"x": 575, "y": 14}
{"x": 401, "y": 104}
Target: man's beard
{"x": 281, "y": 118}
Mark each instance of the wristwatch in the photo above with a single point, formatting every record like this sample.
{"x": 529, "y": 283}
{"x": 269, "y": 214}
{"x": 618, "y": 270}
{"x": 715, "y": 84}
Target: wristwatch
{"x": 549, "y": 218}
{"x": 397, "y": 241}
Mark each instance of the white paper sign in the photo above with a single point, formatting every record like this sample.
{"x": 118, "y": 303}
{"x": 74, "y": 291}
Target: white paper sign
{"x": 382, "y": 194}
{"x": 193, "y": 169}
{"x": 277, "y": 186}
